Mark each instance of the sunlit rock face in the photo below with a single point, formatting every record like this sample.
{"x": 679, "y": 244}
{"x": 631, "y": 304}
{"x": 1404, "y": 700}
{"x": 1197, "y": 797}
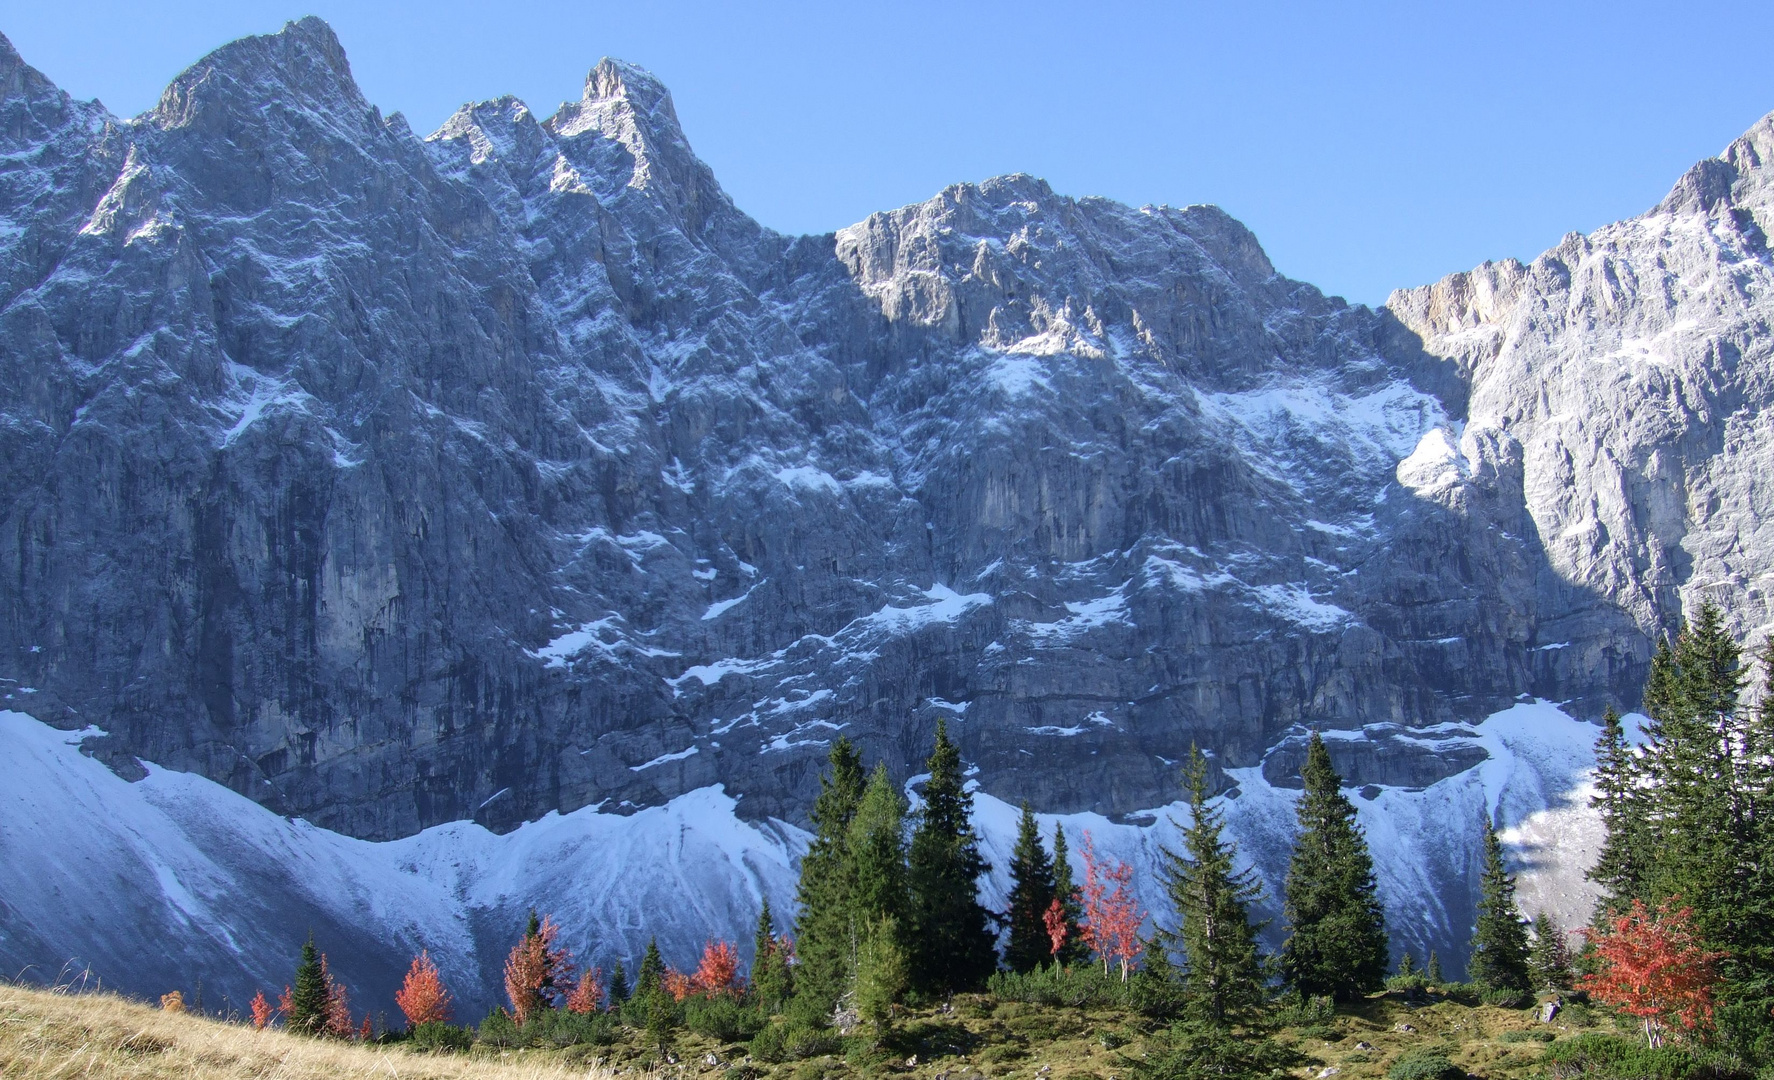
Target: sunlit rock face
{"x": 395, "y": 480}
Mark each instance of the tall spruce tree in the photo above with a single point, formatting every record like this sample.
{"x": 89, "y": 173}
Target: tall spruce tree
{"x": 878, "y": 852}
{"x": 823, "y": 934}
{"x": 1071, "y": 900}
{"x": 1620, "y": 802}
{"x": 1031, "y": 894}
{"x": 952, "y": 946}
{"x": 1549, "y": 961}
{"x": 1500, "y": 936}
{"x": 652, "y": 970}
{"x": 772, "y": 980}
{"x": 618, "y": 985}
{"x": 1221, "y": 974}
{"x": 307, "y": 1013}
{"x": 1336, "y": 941}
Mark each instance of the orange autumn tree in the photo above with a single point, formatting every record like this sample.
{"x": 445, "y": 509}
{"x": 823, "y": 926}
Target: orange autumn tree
{"x": 536, "y": 969}
{"x": 1113, "y": 915}
{"x": 676, "y": 983}
{"x": 1652, "y": 965}
{"x": 1054, "y": 919}
{"x": 422, "y": 996}
{"x": 262, "y": 1011}
{"x": 718, "y": 974}
{"x": 336, "y": 1020}
{"x": 588, "y": 996}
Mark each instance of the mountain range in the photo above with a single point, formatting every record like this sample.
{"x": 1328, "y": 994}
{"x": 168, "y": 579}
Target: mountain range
{"x": 407, "y": 530}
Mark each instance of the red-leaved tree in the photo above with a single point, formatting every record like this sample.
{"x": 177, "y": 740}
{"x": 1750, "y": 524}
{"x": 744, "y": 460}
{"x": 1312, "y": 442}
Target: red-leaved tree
{"x": 1113, "y": 915}
{"x": 535, "y": 969}
{"x": 588, "y": 996}
{"x": 1054, "y": 919}
{"x": 718, "y": 974}
{"x": 676, "y": 983}
{"x": 337, "y": 1019}
{"x": 422, "y": 996}
{"x": 262, "y": 1011}
{"x": 1652, "y": 965}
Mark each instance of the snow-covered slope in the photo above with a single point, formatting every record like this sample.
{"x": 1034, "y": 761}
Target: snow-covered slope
{"x": 174, "y": 879}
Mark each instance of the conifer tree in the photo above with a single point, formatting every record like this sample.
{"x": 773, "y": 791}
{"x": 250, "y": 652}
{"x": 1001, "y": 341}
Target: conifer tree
{"x": 823, "y": 935}
{"x": 1222, "y": 977}
{"x": 878, "y": 851}
{"x": 952, "y": 946}
{"x": 1432, "y": 972}
{"x": 1031, "y": 894}
{"x": 1407, "y": 965}
{"x": 307, "y": 1012}
{"x": 1336, "y": 943}
{"x": 1070, "y": 899}
{"x": 1620, "y": 802}
{"x": 1549, "y": 961}
{"x": 618, "y": 986}
{"x": 1500, "y": 936}
{"x": 881, "y": 974}
{"x": 652, "y": 969}
{"x": 772, "y": 979}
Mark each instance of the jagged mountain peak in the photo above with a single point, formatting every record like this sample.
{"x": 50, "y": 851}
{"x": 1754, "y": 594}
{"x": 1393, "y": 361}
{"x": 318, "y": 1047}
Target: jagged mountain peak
{"x": 301, "y": 66}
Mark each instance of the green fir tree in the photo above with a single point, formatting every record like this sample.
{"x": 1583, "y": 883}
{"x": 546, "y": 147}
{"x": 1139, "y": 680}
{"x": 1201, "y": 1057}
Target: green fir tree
{"x": 1620, "y": 802}
{"x": 952, "y": 945}
{"x": 1071, "y": 900}
{"x": 881, "y": 975}
{"x": 307, "y": 1013}
{"x": 878, "y": 853}
{"x": 618, "y": 986}
{"x": 1222, "y": 972}
{"x": 823, "y": 934}
{"x": 652, "y": 969}
{"x": 1031, "y": 893}
{"x": 1500, "y": 936}
{"x": 1549, "y": 960}
{"x": 1432, "y": 972}
{"x": 1336, "y": 944}
{"x": 771, "y": 978}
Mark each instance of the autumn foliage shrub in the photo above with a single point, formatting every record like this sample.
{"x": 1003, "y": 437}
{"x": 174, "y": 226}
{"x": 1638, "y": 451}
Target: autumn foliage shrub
{"x": 1651, "y": 965}
{"x": 1112, "y": 914}
{"x": 422, "y": 996}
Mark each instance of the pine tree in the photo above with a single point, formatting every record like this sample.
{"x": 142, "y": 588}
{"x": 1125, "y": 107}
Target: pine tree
{"x": 823, "y": 935}
{"x": 1619, "y": 800}
{"x": 881, "y": 974}
{"x": 652, "y": 969}
{"x": 952, "y": 946}
{"x": 1432, "y": 973}
{"x": 1549, "y": 961}
{"x": 1071, "y": 903}
{"x": 1500, "y": 936}
{"x": 1336, "y": 943}
{"x": 772, "y": 979}
{"x": 878, "y": 851}
{"x": 1222, "y": 971}
{"x": 1407, "y": 965}
{"x": 618, "y": 986}
{"x": 307, "y": 1012}
{"x": 1031, "y": 894}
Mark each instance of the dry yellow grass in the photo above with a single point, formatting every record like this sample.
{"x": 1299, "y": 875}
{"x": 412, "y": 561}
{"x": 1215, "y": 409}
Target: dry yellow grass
{"x": 45, "y": 1034}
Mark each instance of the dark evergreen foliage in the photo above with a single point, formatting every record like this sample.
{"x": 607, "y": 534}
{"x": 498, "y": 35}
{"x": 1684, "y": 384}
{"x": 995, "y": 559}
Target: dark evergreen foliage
{"x": 1336, "y": 943}
{"x": 1500, "y": 936}
{"x": 824, "y": 936}
{"x": 1070, "y": 898}
{"x": 307, "y": 1013}
{"x": 951, "y": 943}
{"x": 1222, "y": 977}
{"x": 1031, "y": 893}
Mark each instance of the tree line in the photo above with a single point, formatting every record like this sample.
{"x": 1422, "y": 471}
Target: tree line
{"x": 889, "y": 913}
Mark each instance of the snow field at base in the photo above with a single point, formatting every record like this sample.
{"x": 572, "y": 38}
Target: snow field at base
{"x": 91, "y": 863}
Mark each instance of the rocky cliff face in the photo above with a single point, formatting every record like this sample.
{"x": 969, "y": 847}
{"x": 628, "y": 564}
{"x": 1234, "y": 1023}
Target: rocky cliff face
{"x": 394, "y": 480}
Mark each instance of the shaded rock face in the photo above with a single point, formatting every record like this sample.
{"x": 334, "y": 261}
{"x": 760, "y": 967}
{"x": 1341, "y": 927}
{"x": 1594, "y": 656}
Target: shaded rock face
{"x": 395, "y": 480}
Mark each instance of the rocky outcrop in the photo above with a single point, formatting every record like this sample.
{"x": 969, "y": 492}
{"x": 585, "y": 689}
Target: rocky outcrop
{"x": 394, "y": 481}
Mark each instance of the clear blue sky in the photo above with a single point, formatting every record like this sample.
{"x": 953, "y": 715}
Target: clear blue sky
{"x": 1368, "y": 145}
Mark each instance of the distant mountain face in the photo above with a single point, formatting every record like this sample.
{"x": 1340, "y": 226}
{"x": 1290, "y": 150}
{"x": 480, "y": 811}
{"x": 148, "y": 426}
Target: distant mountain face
{"x": 393, "y": 481}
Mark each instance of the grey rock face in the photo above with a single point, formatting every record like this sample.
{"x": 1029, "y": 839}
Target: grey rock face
{"x": 394, "y": 481}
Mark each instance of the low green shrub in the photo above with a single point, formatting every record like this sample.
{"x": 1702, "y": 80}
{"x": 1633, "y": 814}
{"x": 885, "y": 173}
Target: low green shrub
{"x": 725, "y": 1018}
{"x": 1424, "y": 1065}
{"x": 1610, "y": 1057}
{"x": 1522, "y": 1035}
{"x": 499, "y": 1029}
{"x": 782, "y": 1040}
{"x": 1075, "y": 986}
{"x": 1505, "y": 998}
{"x": 1309, "y": 1013}
{"x": 439, "y": 1036}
